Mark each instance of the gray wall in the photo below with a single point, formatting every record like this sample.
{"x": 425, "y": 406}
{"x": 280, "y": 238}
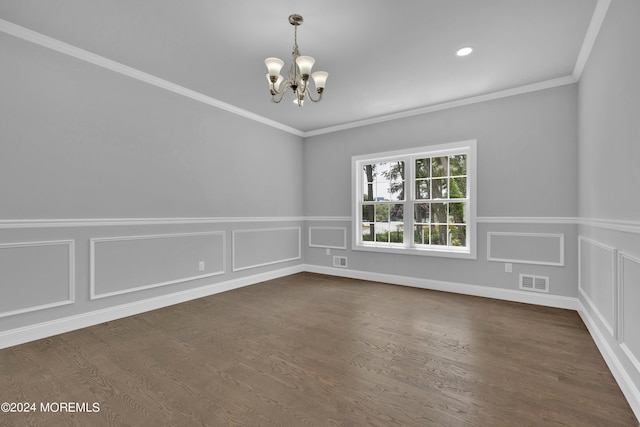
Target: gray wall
{"x": 87, "y": 148}
{"x": 526, "y": 154}
{"x": 79, "y": 141}
{"x": 527, "y": 163}
{"x": 609, "y": 206}
{"x": 134, "y": 177}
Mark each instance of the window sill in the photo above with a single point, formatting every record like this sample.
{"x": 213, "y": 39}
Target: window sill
{"x": 465, "y": 253}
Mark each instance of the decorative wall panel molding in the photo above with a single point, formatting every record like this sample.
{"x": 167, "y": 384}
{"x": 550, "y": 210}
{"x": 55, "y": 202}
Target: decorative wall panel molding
{"x": 628, "y": 297}
{"x": 265, "y": 246}
{"x": 328, "y": 237}
{"x": 36, "y": 276}
{"x": 612, "y": 358}
{"x": 57, "y": 326}
{"x": 597, "y": 281}
{"x": 120, "y": 265}
{"x": 526, "y": 248}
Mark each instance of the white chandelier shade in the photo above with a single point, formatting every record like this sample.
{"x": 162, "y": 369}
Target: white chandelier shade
{"x": 298, "y": 76}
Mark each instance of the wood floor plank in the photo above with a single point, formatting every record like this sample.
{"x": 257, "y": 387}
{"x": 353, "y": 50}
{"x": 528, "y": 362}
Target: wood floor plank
{"x": 313, "y": 350}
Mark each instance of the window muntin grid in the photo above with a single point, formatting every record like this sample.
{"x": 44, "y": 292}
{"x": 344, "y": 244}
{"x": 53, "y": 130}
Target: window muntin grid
{"x": 416, "y": 200}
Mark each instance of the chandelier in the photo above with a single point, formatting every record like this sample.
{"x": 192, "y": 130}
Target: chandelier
{"x": 299, "y": 71}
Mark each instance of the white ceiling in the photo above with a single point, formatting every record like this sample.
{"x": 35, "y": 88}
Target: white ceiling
{"x": 383, "y": 57}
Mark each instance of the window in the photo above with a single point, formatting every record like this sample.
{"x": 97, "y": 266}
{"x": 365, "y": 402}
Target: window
{"x": 419, "y": 201}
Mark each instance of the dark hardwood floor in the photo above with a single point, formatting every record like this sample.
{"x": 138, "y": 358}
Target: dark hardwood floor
{"x": 313, "y": 350}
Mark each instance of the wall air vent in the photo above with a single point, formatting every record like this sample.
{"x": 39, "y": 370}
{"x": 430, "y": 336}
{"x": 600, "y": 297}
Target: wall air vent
{"x": 340, "y": 261}
{"x": 530, "y": 282}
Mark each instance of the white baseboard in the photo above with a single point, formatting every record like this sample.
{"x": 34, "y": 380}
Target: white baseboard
{"x": 629, "y": 389}
{"x": 58, "y": 326}
{"x": 67, "y": 324}
{"x": 54, "y": 327}
{"x": 458, "y": 288}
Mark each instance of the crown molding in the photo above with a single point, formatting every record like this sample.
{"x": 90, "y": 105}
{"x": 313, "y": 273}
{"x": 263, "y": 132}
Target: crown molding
{"x": 92, "y": 58}
{"x": 597, "y": 19}
{"x": 84, "y": 55}
{"x": 547, "y": 84}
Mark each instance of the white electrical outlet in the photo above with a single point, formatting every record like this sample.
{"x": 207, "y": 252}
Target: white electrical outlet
{"x": 201, "y": 266}
{"x": 508, "y": 267}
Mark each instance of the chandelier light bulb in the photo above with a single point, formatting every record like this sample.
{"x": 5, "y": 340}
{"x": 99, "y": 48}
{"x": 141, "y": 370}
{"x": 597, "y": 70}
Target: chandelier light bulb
{"x": 274, "y": 65}
{"x": 304, "y": 64}
{"x": 320, "y": 80}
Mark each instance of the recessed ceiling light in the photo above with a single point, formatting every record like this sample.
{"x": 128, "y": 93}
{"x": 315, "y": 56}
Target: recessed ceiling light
{"x": 464, "y": 51}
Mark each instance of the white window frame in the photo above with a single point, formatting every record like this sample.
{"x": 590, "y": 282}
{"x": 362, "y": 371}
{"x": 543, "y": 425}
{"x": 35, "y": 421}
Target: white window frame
{"x": 409, "y": 156}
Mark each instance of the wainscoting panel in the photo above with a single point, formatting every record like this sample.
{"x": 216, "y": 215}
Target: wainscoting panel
{"x": 629, "y": 295}
{"x": 266, "y": 246}
{"x": 328, "y": 237}
{"x": 526, "y": 248}
{"x": 36, "y": 276}
{"x": 597, "y": 280}
{"x": 132, "y": 263}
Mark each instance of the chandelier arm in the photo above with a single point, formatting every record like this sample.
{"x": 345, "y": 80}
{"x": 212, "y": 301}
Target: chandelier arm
{"x": 283, "y": 89}
{"x": 274, "y": 96}
{"x": 308, "y": 92}
{"x": 276, "y": 99}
